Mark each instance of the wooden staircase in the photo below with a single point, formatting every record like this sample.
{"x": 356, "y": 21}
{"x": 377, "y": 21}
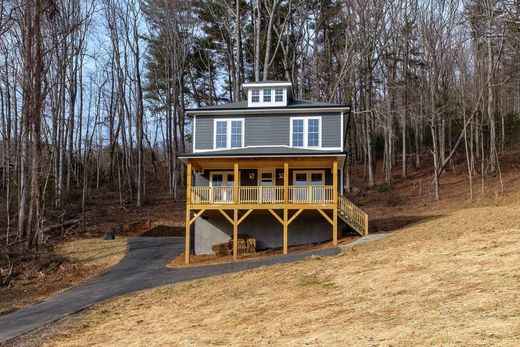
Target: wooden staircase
{"x": 355, "y": 217}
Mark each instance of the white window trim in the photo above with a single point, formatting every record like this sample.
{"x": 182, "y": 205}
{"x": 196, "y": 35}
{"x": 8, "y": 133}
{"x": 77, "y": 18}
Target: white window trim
{"x": 263, "y": 103}
{"x": 306, "y": 131}
{"x": 228, "y": 132}
{"x": 322, "y": 172}
{"x": 270, "y": 96}
{"x": 261, "y": 171}
{"x": 274, "y": 94}
{"x": 259, "y": 97}
{"x": 223, "y": 173}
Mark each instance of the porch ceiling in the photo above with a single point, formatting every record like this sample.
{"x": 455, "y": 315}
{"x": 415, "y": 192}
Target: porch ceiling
{"x": 200, "y": 164}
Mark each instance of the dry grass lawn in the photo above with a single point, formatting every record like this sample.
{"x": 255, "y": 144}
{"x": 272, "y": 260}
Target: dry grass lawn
{"x": 84, "y": 259}
{"x": 450, "y": 280}
{"x": 94, "y": 253}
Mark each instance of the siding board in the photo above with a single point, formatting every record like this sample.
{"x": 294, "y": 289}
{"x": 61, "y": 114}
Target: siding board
{"x": 269, "y": 130}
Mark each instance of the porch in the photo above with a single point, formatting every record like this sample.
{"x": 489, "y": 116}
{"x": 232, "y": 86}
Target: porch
{"x": 283, "y": 187}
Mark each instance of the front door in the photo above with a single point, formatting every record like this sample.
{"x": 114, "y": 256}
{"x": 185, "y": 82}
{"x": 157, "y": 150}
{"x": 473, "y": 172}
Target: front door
{"x": 307, "y": 180}
{"x": 266, "y": 180}
{"x": 224, "y": 181}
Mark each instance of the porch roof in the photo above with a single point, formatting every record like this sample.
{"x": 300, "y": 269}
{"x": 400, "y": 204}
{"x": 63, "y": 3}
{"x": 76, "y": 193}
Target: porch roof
{"x": 262, "y": 151}
{"x": 265, "y": 154}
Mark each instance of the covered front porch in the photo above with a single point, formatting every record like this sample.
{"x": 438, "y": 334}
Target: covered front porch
{"x": 283, "y": 186}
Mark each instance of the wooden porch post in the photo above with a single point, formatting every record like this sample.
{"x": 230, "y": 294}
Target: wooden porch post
{"x": 285, "y": 229}
{"x": 235, "y": 211}
{"x": 236, "y": 179}
{"x": 286, "y": 182}
{"x": 188, "y": 212}
{"x": 286, "y": 201}
{"x": 335, "y": 202}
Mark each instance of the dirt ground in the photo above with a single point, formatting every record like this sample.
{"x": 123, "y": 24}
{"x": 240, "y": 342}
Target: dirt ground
{"x": 450, "y": 280}
{"x": 70, "y": 263}
{"x": 449, "y": 276}
{"x": 43, "y": 272}
{"x": 210, "y": 259}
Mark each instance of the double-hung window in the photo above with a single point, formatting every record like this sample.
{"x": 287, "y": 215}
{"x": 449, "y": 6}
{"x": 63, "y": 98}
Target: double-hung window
{"x": 306, "y": 132}
{"x": 267, "y": 95}
{"x": 255, "y": 95}
{"x": 278, "y": 95}
{"x": 229, "y": 133}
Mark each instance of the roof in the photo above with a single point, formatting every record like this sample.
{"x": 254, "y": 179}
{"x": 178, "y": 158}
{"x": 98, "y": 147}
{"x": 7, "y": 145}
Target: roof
{"x": 263, "y": 151}
{"x": 293, "y": 103}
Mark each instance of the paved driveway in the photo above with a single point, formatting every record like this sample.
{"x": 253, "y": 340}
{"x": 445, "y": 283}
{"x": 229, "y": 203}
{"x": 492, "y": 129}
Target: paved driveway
{"x": 142, "y": 268}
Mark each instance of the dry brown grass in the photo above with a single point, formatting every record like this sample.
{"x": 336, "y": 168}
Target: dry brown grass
{"x": 452, "y": 280}
{"x": 73, "y": 261}
{"x": 95, "y": 253}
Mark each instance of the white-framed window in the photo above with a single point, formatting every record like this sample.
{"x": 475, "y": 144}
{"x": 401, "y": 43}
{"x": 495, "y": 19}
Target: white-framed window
{"x": 308, "y": 177}
{"x": 297, "y": 132}
{"x": 267, "y": 95}
{"x": 255, "y": 95}
{"x": 229, "y": 133}
{"x": 278, "y": 95}
{"x": 306, "y": 132}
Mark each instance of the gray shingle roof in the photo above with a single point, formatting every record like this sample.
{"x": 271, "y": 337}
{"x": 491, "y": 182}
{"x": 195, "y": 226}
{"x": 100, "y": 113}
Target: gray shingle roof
{"x": 293, "y": 103}
{"x": 262, "y": 151}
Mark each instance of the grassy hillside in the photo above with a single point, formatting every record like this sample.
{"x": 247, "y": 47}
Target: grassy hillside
{"x": 450, "y": 279}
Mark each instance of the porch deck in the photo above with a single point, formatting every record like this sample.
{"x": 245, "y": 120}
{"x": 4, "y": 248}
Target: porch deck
{"x": 207, "y": 195}
{"x": 285, "y": 202}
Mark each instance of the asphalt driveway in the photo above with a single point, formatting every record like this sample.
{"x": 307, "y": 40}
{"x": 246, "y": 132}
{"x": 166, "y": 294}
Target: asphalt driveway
{"x": 143, "y": 267}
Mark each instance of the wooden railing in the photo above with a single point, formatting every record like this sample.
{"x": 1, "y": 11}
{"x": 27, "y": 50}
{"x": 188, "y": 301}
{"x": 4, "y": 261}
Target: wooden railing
{"x": 211, "y": 195}
{"x": 353, "y": 215}
{"x": 260, "y": 195}
{"x": 204, "y": 195}
{"x": 310, "y": 194}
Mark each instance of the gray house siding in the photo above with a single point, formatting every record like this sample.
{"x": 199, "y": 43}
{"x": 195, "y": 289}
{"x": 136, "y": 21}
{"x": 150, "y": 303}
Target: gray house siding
{"x": 268, "y": 130}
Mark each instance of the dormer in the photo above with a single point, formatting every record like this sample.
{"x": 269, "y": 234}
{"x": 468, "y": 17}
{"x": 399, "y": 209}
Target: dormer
{"x": 268, "y": 93}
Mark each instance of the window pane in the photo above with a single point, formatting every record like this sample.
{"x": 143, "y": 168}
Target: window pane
{"x": 278, "y": 95}
{"x": 267, "y": 95}
{"x": 255, "y": 96}
{"x": 217, "y": 180}
{"x": 316, "y": 179}
{"x": 221, "y": 135}
{"x": 313, "y": 133}
{"x": 236, "y": 134}
{"x": 230, "y": 180}
{"x": 297, "y": 133}
{"x": 300, "y": 179}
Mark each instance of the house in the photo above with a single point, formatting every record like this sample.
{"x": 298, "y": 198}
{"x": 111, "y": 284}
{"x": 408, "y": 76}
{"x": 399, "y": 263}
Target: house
{"x": 270, "y": 167}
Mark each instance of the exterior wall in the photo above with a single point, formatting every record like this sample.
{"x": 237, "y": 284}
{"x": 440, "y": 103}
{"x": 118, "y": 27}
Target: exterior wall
{"x": 202, "y": 179}
{"x": 308, "y": 227}
{"x": 268, "y": 130}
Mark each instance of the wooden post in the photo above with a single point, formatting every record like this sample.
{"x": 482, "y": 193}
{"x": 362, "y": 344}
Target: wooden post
{"x": 235, "y": 184}
{"x": 334, "y": 226}
{"x": 366, "y": 224}
{"x": 285, "y": 231}
{"x": 335, "y": 182}
{"x": 188, "y": 203}
{"x": 335, "y": 202}
{"x": 286, "y": 182}
{"x": 235, "y": 234}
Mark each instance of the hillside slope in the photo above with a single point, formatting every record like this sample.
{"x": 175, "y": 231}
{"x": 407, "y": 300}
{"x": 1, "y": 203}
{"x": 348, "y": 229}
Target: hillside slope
{"x": 449, "y": 279}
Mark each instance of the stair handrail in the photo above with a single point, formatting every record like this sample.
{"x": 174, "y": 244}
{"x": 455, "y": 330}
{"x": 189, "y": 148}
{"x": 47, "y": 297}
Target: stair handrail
{"x": 354, "y": 214}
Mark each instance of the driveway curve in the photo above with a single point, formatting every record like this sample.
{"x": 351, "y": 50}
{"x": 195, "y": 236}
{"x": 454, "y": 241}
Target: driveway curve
{"x": 143, "y": 267}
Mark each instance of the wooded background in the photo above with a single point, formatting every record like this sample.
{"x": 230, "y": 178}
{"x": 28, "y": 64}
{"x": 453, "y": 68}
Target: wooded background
{"x": 93, "y": 93}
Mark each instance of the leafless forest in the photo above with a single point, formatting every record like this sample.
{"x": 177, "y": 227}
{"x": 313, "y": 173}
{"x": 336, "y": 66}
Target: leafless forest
{"x": 93, "y": 93}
